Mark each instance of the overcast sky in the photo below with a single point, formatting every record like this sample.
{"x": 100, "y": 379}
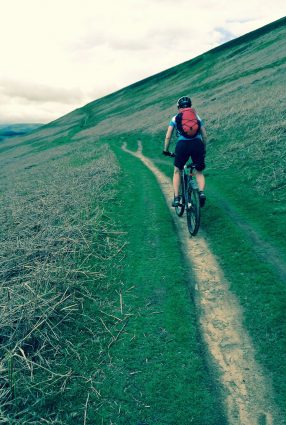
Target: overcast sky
{"x": 58, "y": 55}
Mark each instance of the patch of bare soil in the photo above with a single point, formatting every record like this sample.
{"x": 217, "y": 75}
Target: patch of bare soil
{"x": 246, "y": 390}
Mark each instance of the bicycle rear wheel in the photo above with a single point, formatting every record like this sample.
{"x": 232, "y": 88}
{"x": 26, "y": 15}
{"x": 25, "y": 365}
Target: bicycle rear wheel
{"x": 193, "y": 211}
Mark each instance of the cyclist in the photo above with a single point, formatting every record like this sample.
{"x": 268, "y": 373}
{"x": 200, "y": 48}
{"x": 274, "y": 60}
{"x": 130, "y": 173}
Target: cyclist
{"x": 186, "y": 147}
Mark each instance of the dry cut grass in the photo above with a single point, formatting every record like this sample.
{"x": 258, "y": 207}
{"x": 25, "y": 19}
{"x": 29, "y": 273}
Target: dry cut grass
{"x": 52, "y": 234}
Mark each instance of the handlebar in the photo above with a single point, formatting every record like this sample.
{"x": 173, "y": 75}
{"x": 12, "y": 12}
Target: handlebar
{"x": 191, "y": 165}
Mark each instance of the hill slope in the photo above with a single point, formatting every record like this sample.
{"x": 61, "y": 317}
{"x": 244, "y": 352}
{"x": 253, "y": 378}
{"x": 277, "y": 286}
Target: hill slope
{"x": 58, "y": 240}
{"x": 236, "y": 88}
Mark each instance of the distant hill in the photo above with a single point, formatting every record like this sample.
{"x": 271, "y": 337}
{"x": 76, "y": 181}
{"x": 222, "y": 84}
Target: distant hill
{"x": 12, "y": 130}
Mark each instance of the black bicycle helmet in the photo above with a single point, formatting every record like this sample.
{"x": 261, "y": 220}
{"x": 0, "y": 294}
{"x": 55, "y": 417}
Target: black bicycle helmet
{"x": 184, "y": 102}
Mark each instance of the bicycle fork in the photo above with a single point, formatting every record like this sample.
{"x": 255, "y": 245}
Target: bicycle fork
{"x": 190, "y": 187}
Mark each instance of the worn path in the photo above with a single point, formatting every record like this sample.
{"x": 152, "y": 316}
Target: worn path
{"x": 247, "y": 392}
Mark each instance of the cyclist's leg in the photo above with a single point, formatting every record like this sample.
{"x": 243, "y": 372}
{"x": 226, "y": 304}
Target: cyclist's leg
{"x": 181, "y": 157}
{"x": 198, "y": 157}
{"x": 200, "y": 180}
{"x": 176, "y": 181}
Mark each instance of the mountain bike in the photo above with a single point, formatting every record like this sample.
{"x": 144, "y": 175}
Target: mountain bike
{"x": 189, "y": 198}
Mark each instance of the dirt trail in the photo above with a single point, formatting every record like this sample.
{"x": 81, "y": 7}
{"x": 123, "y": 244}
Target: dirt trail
{"x": 265, "y": 250}
{"x": 247, "y": 393}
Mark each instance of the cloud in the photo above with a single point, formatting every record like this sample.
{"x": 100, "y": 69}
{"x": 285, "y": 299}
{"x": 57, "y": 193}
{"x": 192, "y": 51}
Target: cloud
{"x": 12, "y": 111}
{"x": 59, "y": 54}
{"x": 224, "y": 35}
{"x": 26, "y": 102}
{"x": 120, "y": 42}
{"x": 37, "y": 93}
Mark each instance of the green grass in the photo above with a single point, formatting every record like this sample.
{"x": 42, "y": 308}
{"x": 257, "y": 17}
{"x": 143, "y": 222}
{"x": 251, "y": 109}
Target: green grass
{"x": 158, "y": 372}
{"x": 261, "y": 293}
{"x": 255, "y": 282}
{"x": 155, "y": 369}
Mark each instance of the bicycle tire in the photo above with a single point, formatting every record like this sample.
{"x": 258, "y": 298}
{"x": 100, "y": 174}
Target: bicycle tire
{"x": 181, "y": 208}
{"x": 193, "y": 211}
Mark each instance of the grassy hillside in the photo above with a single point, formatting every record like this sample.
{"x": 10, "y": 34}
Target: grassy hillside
{"x": 66, "y": 249}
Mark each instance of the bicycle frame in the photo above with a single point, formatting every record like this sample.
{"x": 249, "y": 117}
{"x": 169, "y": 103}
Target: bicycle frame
{"x": 190, "y": 199}
{"x": 187, "y": 179}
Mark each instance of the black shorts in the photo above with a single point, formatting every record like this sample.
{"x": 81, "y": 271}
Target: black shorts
{"x": 190, "y": 148}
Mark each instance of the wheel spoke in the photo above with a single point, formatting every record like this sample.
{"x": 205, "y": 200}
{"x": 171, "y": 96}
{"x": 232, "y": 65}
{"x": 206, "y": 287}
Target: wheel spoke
{"x": 193, "y": 212}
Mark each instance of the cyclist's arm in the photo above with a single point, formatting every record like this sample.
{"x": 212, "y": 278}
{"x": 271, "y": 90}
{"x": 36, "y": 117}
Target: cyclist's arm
{"x": 168, "y": 138}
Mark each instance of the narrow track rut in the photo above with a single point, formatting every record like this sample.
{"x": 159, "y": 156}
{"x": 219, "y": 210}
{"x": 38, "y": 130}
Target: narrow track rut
{"x": 246, "y": 391}
{"x": 263, "y": 249}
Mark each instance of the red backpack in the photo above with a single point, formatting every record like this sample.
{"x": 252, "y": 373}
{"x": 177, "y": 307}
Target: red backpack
{"x": 187, "y": 122}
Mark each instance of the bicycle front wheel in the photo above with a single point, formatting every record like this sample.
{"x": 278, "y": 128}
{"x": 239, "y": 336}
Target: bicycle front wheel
{"x": 181, "y": 207}
{"x": 193, "y": 211}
